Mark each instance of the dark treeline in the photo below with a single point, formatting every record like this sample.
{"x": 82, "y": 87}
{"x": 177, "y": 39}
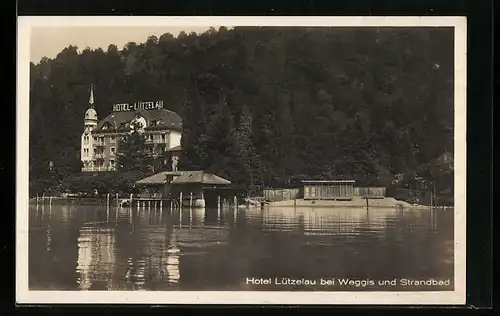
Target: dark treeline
{"x": 265, "y": 105}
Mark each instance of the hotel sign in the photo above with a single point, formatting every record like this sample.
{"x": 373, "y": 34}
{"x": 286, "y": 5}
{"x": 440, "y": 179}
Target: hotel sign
{"x": 141, "y": 105}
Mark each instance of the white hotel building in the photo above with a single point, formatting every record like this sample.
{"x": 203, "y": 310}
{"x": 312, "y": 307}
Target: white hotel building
{"x": 101, "y": 138}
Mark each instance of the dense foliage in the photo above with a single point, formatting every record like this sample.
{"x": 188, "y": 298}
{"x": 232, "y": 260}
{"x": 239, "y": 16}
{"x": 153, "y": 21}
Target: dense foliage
{"x": 265, "y": 105}
{"x": 102, "y": 182}
{"x": 136, "y": 154}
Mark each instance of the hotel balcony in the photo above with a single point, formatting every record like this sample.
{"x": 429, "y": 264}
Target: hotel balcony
{"x": 98, "y": 169}
{"x": 99, "y": 144}
{"x": 156, "y": 141}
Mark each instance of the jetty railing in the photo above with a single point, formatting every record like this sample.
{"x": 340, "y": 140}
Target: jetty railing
{"x": 274, "y": 195}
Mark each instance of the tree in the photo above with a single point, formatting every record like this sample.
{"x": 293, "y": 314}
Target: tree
{"x": 252, "y": 169}
{"x": 134, "y": 154}
{"x": 192, "y": 130}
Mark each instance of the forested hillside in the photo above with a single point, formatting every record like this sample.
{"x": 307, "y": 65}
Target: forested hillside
{"x": 265, "y": 105}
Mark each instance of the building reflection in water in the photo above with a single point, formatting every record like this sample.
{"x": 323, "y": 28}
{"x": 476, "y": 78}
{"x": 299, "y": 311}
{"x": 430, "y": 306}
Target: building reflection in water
{"x": 150, "y": 248}
{"x": 96, "y": 257}
{"x": 49, "y": 229}
{"x": 172, "y": 260}
{"x": 334, "y": 221}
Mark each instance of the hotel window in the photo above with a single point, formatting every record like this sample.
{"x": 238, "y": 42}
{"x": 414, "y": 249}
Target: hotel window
{"x": 113, "y": 150}
{"x": 113, "y": 139}
{"x": 151, "y": 137}
{"x": 95, "y": 139}
{"x": 163, "y": 138}
{"x": 101, "y": 140}
{"x": 112, "y": 163}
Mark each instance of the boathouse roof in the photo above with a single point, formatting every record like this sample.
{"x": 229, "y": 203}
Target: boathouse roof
{"x": 159, "y": 178}
{"x": 200, "y": 177}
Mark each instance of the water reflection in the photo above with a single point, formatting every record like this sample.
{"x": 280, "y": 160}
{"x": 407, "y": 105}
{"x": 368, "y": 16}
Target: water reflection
{"x": 96, "y": 256}
{"x": 172, "y": 261}
{"x": 119, "y": 248}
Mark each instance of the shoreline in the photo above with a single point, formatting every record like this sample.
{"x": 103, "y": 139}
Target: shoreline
{"x": 355, "y": 202}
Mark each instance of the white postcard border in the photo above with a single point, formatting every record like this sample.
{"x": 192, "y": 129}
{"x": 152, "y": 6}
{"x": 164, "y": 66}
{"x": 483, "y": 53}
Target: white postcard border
{"x": 25, "y": 296}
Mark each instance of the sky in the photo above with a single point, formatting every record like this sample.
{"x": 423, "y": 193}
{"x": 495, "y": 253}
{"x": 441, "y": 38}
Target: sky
{"x": 49, "y": 41}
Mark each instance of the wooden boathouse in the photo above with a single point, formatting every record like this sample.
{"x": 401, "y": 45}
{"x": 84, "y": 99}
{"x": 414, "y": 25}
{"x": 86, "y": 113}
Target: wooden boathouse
{"x": 191, "y": 187}
{"x": 328, "y": 189}
{"x": 157, "y": 186}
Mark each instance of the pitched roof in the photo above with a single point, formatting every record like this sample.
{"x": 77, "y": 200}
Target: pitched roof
{"x": 175, "y": 148}
{"x": 200, "y": 177}
{"x": 167, "y": 119}
{"x": 159, "y": 178}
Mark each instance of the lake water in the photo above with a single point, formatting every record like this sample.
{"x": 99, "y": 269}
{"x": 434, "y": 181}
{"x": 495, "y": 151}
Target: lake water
{"x": 95, "y": 248}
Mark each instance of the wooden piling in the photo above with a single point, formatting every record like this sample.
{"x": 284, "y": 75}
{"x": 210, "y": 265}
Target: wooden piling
{"x": 434, "y": 193}
{"x": 131, "y": 199}
{"x": 367, "y": 206}
{"x": 218, "y": 202}
{"x": 107, "y": 199}
{"x": 431, "y": 201}
{"x": 235, "y": 201}
{"x": 180, "y": 200}
{"x": 191, "y": 200}
{"x": 50, "y": 200}
{"x": 180, "y": 218}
